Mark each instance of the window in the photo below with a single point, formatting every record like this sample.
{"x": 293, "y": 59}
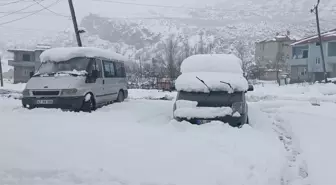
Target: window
{"x": 303, "y": 72}
{"x": 332, "y": 49}
{"x": 109, "y": 71}
{"x": 26, "y": 57}
{"x": 95, "y": 64}
{"x": 120, "y": 69}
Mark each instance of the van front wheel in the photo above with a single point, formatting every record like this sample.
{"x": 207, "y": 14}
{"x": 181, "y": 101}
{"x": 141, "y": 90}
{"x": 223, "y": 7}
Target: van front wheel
{"x": 120, "y": 96}
{"x": 88, "y": 104}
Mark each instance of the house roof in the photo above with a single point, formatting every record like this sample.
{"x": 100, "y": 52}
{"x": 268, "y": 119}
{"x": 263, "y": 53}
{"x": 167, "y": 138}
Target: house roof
{"x": 279, "y": 38}
{"x": 20, "y": 50}
{"x": 326, "y": 36}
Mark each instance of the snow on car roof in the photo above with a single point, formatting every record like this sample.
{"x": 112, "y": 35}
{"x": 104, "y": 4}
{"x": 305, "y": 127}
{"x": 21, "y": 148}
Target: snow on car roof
{"x": 63, "y": 54}
{"x": 188, "y": 82}
{"x": 212, "y": 63}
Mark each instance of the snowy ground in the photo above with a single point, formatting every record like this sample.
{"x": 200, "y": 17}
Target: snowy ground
{"x": 137, "y": 143}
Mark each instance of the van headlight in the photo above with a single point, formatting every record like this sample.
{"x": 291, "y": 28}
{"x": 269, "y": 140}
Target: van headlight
{"x": 69, "y": 91}
{"x": 25, "y": 92}
{"x": 238, "y": 107}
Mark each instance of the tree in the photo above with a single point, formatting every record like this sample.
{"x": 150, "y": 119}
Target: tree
{"x": 171, "y": 51}
{"x": 242, "y": 52}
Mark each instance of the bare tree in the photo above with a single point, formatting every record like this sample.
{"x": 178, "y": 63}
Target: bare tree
{"x": 171, "y": 50}
{"x": 241, "y": 50}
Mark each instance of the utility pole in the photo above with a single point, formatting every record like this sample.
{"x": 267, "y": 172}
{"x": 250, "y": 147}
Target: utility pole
{"x": 315, "y": 10}
{"x": 74, "y": 20}
{"x": 1, "y": 76}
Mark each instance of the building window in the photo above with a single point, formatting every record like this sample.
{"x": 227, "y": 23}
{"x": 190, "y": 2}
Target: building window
{"x": 304, "y": 53}
{"x": 332, "y": 49}
{"x": 304, "y": 72}
{"x": 26, "y": 57}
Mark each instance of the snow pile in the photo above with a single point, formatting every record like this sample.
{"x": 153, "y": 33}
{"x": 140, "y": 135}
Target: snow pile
{"x": 188, "y": 82}
{"x": 188, "y": 109}
{"x": 63, "y": 54}
{"x": 69, "y": 73}
{"x": 301, "y": 92}
{"x": 202, "y": 112}
{"x": 150, "y": 94}
{"x": 140, "y": 146}
{"x": 185, "y": 104}
{"x": 227, "y": 63}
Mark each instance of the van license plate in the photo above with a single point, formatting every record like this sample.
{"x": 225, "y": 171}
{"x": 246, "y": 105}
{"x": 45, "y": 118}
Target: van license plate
{"x": 44, "y": 101}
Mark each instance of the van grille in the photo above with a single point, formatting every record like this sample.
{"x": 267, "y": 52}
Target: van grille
{"x": 45, "y": 93}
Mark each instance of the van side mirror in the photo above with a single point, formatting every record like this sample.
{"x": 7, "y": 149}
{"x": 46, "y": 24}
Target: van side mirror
{"x": 250, "y": 88}
{"x": 31, "y": 74}
{"x": 94, "y": 74}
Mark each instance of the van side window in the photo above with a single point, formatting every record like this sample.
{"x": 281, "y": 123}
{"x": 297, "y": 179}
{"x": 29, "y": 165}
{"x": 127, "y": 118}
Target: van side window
{"x": 95, "y": 64}
{"x": 109, "y": 71}
{"x": 120, "y": 69}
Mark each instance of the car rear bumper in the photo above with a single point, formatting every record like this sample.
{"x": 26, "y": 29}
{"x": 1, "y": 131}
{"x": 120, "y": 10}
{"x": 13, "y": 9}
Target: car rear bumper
{"x": 73, "y": 103}
{"x": 231, "y": 120}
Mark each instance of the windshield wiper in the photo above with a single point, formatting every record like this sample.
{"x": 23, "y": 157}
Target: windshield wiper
{"x": 226, "y": 84}
{"x": 204, "y": 84}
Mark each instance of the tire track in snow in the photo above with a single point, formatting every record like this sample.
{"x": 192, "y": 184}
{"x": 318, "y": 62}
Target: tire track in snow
{"x": 296, "y": 171}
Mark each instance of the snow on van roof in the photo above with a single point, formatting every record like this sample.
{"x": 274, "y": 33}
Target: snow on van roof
{"x": 214, "y": 80}
{"x": 63, "y": 54}
{"x": 228, "y": 63}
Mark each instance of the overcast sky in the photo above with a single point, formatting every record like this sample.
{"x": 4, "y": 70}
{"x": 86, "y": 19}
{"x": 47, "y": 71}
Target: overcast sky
{"x": 46, "y": 20}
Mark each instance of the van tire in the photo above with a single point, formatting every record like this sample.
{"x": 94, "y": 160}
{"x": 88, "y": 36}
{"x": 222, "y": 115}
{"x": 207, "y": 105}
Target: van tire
{"x": 120, "y": 97}
{"x": 88, "y": 106}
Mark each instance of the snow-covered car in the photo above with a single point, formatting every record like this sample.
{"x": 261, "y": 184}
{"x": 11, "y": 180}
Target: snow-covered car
{"x": 212, "y": 87}
{"x": 78, "y": 78}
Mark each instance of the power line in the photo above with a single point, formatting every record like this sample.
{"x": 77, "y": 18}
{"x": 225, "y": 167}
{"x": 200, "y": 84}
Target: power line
{"x": 36, "y": 12}
{"x": 16, "y": 11}
{"x": 58, "y": 14}
{"x": 13, "y": 2}
{"x": 148, "y": 5}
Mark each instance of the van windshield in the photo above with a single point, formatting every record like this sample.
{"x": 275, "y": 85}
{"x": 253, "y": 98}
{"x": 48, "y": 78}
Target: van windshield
{"x": 214, "y": 99}
{"x": 74, "y": 66}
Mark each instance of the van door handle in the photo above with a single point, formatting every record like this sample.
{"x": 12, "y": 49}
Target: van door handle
{"x": 103, "y": 81}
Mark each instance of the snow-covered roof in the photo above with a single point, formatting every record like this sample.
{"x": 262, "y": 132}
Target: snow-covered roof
{"x": 279, "y": 38}
{"x": 326, "y": 36}
{"x": 21, "y": 50}
{"x": 63, "y": 54}
{"x": 227, "y": 63}
{"x": 188, "y": 82}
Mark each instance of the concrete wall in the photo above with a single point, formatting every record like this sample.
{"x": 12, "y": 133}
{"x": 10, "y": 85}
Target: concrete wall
{"x": 267, "y": 51}
{"x": 18, "y": 55}
{"x": 22, "y": 74}
{"x": 299, "y": 73}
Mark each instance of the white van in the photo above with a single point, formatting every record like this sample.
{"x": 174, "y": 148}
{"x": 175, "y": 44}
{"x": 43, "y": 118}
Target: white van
{"x": 77, "y": 78}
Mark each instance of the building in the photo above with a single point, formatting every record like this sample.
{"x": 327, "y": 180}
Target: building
{"x": 267, "y": 52}
{"x": 24, "y": 62}
{"x": 306, "y": 63}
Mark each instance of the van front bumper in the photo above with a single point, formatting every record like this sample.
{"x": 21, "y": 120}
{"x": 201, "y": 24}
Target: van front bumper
{"x": 73, "y": 103}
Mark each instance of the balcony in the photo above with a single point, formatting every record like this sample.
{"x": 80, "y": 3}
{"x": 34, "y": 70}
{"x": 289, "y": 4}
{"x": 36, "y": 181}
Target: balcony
{"x": 21, "y": 63}
{"x": 297, "y": 62}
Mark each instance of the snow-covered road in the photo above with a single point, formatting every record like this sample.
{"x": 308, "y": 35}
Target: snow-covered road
{"x": 136, "y": 142}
